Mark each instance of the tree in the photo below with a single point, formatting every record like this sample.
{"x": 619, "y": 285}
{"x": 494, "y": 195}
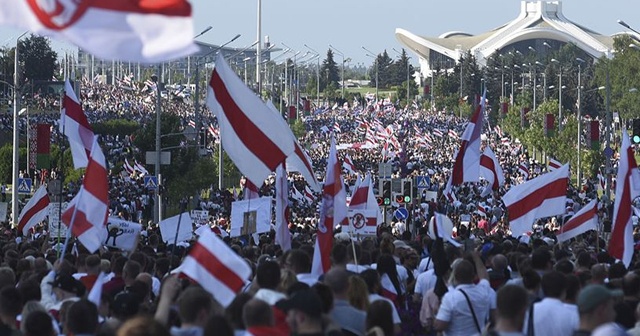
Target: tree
{"x": 329, "y": 73}
{"x": 384, "y": 64}
{"x": 37, "y": 58}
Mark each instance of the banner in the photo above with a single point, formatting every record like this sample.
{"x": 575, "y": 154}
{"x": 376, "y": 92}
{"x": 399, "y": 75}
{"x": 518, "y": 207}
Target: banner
{"x": 169, "y": 226}
{"x": 361, "y": 222}
{"x": 3, "y": 211}
{"x": 250, "y": 216}
{"x": 122, "y": 234}
{"x": 43, "y": 146}
{"x": 33, "y": 145}
{"x": 56, "y": 227}
{"x": 549, "y": 125}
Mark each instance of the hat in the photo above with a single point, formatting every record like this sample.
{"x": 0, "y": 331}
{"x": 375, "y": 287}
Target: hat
{"x": 68, "y": 284}
{"x": 593, "y": 295}
{"x": 305, "y": 300}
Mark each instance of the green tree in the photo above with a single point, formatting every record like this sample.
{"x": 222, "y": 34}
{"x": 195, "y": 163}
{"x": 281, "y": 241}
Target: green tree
{"x": 37, "y": 58}
{"x": 329, "y": 73}
{"x": 384, "y": 65}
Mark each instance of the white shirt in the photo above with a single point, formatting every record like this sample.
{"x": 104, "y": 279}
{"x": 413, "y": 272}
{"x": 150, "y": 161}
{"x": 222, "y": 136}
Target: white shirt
{"x": 307, "y": 278}
{"x": 356, "y": 268}
{"x": 455, "y": 309}
{"x": 376, "y": 297}
{"x": 553, "y": 317}
{"x": 425, "y": 281}
{"x": 425, "y": 264}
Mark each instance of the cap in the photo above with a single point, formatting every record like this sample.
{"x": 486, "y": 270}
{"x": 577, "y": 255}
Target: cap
{"x": 68, "y": 283}
{"x": 593, "y": 295}
{"x": 305, "y": 300}
{"x": 400, "y": 244}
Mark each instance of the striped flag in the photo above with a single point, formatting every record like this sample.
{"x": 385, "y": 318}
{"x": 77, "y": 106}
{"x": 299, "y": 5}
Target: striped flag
{"x": 336, "y": 127}
{"x": 490, "y": 169}
{"x": 438, "y": 133}
{"x": 74, "y": 124}
{"x": 621, "y": 241}
{"x": 586, "y": 219}
{"x": 283, "y": 235}
{"x": 466, "y": 167}
{"x": 348, "y": 164}
{"x": 553, "y": 164}
{"x": 130, "y": 170}
{"x": 524, "y": 170}
{"x": 192, "y": 123}
{"x": 602, "y": 180}
{"x": 332, "y": 211}
{"x": 35, "y": 211}
{"x": 541, "y": 197}
{"x": 86, "y": 214}
{"x": 216, "y": 267}
{"x": 453, "y": 134}
{"x": 309, "y": 196}
{"x": 255, "y": 143}
{"x": 134, "y": 31}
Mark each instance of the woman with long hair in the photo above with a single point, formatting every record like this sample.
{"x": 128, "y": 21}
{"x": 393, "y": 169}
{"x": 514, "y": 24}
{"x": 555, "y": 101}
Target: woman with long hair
{"x": 389, "y": 279}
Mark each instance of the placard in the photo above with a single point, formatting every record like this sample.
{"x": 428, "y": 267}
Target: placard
{"x": 56, "y": 227}
{"x": 122, "y": 234}
{"x": 250, "y": 216}
{"x": 169, "y": 226}
{"x": 200, "y": 216}
{"x": 465, "y": 220}
{"x": 362, "y": 222}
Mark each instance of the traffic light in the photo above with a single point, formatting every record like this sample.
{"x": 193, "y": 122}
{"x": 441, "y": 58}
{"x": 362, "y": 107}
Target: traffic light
{"x": 407, "y": 190}
{"x": 380, "y": 201}
{"x": 398, "y": 198}
{"x": 386, "y": 192}
{"x": 636, "y": 131}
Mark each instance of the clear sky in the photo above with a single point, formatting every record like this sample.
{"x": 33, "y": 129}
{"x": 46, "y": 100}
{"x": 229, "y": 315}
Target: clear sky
{"x": 350, "y": 24}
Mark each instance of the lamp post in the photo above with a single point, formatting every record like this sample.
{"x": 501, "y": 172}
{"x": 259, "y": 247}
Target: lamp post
{"x": 375, "y": 58}
{"x": 559, "y": 94}
{"x": 317, "y": 76}
{"x": 342, "y": 55}
{"x": 580, "y": 61}
{"x": 16, "y": 140}
{"x": 259, "y": 50}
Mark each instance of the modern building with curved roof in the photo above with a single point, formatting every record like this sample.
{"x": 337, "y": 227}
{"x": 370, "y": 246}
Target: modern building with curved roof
{"x": 540, "y": 25}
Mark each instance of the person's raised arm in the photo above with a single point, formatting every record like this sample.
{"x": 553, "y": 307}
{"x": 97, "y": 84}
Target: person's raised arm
{"x": 481, "y": 269}
{"x": 168, "y": 294}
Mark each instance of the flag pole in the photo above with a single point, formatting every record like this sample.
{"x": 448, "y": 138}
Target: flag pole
{"x": 61, "y": 165}
{"x": 68, "y": 235}
{"x": 175, "y": 240}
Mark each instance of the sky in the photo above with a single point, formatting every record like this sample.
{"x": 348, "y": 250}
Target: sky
{"x": 348, "y": 25}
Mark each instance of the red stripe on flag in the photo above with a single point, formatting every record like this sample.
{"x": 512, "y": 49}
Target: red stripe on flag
{"x": 575, "y": 222}
{"x": 334, "y": 187}
{"x": 250, "y": 134}
{"x": 554, "y": 189}
{"x": 215, "y": 267}
{"x": 457, "y": 176}
{"x": 81, "y": 224}
{"x": 97, "y": 185}
{"x": 303, "y": 158}
{"x": 487, "y": 162}
{"x": 616, "y": 242}
{"x": 42, "y": 204}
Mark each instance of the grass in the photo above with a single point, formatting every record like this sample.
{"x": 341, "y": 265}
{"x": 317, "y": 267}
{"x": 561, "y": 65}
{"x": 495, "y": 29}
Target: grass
{"x": 366, "y": 89}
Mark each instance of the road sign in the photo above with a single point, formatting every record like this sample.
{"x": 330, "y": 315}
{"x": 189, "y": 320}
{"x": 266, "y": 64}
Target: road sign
{"x": 24, "y": 185}
{"x": 608, "y": 152}
{"x": 165, "y": 158}
{"x": 401, "y": 214}
{"x": 385, "y": 170}
{"x": 422, "y": 182}
{"x": 151, "y": 182}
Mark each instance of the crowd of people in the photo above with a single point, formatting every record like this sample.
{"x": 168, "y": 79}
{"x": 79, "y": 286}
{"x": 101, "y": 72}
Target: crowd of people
{"x": 399, "y": 282}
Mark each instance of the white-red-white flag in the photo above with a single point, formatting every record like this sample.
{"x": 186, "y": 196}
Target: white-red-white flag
{"x": 448, "y": 191}
{"x": 490, "y": 169}
{"x": 466, "y": 167}
{"x": 74, "y": 124}
{"x": 541, "y": 197}
{"x": 283, "y": 235}
{"x": 127, "y": 166}
{"x": 250, "y": 190}
{"x": 86, "y": 214}
{"x": 332, "y": 211}
{"x": 586, "y": 219}
{"x": 255, "y": 143}
{"x": 309, "y": 196}
{"x": 348, "y": 164}
{"x": 134, "y": 31}
{"x": 621, "y": 241}
{"x": 216, "y": 267}
{"x": 553, "y": 164}
{"x": 35, "y": 211}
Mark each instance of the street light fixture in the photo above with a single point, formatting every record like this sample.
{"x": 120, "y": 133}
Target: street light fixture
{"x": 341, "y": 54}
{"x": 317, "y": 76}
{"x": 375, "y": 59}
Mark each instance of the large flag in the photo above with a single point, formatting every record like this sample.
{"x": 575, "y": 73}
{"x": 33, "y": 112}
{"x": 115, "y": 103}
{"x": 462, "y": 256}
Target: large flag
{"x": 87, "y": 213}
{"x": 586, "y": 219}
{"x": 283, "y": 235}
{"x": 466, "y": 168}
{"x": 490, "y": 169}
{"x": 348, "y": 165}
{"x": 553, "y": 164}
{"x": 255, "y": 143}
{"x": 216, "y": 267}
{"x": 332, "y": 211}
{"x": 74, "y": 124}
{"x": 621, "y": 241}
{"x": 134, "y": 31}
{"x": 541, "y": 197}
{"x": 35, "y": 211}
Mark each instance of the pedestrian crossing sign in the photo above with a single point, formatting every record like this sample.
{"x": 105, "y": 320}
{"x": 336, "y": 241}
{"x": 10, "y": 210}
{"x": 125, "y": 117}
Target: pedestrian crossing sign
{"x": 423, "y": 182}
{"x": 151, "y": 182}
{"x": 24, "y": 185}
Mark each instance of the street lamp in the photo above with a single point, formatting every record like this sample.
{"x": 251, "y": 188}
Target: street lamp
{"x": 16, "y": 140}
{"x": 341, "y": 54}
{"x": 553, "y": 60}
{"x": 624, "y": 24}
{"x": 375, "y": 59}
{"x": 317, "y": 76}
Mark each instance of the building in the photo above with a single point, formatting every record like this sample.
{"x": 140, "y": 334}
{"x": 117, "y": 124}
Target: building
{"x": 541, "y": 25}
